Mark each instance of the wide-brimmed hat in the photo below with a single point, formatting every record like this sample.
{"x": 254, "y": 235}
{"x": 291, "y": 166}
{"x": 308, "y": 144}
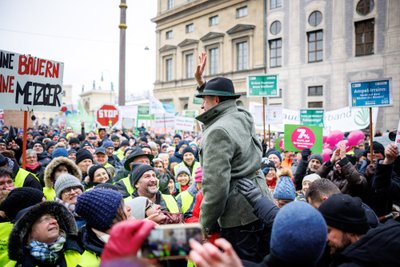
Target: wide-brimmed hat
{"x": 136, "y": 153}
{"x": 219, "y": 86}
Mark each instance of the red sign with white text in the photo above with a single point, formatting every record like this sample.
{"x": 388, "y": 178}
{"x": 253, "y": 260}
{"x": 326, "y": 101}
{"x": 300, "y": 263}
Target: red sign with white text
{"x": 107, "y": 115}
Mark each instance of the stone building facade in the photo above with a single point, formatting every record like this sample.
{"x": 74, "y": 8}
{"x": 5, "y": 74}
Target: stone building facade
{"x": 315, "y": 47}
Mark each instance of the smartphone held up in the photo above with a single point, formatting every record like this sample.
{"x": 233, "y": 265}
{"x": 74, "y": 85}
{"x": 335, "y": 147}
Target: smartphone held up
{"x": 171, "y": 241}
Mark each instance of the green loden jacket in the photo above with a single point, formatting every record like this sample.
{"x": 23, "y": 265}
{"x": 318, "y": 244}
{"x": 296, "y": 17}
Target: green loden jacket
{"x": 230, "y": 151}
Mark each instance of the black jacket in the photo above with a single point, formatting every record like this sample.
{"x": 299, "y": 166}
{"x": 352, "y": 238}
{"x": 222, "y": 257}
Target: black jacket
{"x": 379, "y": 247}
{"x": 385, "y": 189}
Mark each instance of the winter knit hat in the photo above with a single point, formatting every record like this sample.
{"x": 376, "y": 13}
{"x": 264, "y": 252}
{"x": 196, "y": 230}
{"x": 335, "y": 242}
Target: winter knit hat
{"x": 274, "y": 152}
{"x": 108, "y": 144}
{"x": 317, "y": 157}
{"x": 296, "y": 247}
{"x": 284, "y": 189}
{"x": 343, "y": 212}
{"x": 188, "y": 149}
{"x": 181, "y": 169}
{"x": 99, "y": 208}
{"x": 83, "y": 154}
{"x": 198, "y": 175}
{"x": 93, "y": 169}
{"x": 19, "y": 199}
{"x": 311, "y": 178}
{"x": 138, "y": 171}
{"x": 65, "y": 181}
{"x": 59, "y": 152}
{"x": 138, "y": 207}
{"x": 73, "y": 140}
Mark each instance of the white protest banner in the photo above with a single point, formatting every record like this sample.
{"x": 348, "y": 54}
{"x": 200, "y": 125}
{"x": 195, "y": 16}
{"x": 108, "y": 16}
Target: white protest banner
{"x": 274, "y": 114}
{"x": 30, "y": 83}
{"x": 398, "y": 137}
{"x": 349, "y": 119}
{"x": 344, "y": 119}
{"x": 184, "y": 123}
{"x": 156, "y": 107}
{"x": 164, "y": 121}
{"x": 288, "y": 116}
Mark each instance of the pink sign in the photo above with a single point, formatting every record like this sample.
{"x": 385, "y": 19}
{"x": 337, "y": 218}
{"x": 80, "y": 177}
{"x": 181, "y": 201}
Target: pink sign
{"x": 302, "y": 138}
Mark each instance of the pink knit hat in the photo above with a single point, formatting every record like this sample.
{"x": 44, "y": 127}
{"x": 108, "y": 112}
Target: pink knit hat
{"x": 198, "y": 176}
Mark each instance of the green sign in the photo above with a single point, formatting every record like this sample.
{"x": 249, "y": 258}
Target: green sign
{"x": 299, "y": 137}
{"x": 197, "y": 100}
{"x": 190, "y": 113}
{"x": 143, "y": 110}
{"x": 263, "y": 85}
{"x": 312, "y": 117}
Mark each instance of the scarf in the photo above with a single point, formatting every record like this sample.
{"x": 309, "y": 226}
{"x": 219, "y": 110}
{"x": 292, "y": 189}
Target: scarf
{"x": 33, "y": 166}
{"x": 70, "y": 207}
{"x": 47, "y": 253}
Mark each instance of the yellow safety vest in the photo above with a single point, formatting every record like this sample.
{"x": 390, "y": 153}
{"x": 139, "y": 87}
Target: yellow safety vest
{"x": 21, "y": 176}
{"x": 186, "y": 200}
{"x": 171, "y": 204}
{"x": 49, "y": 193}
{"x": 127, "y": 182}
{"x": 5, "y": 230}
{"x": 89, "y": 259}
{"x": 72, "y": 258}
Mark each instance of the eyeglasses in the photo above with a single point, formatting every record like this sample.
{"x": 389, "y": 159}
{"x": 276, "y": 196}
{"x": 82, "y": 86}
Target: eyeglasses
{"x": 149, "y": 205}
{"x": 72, "y": 190}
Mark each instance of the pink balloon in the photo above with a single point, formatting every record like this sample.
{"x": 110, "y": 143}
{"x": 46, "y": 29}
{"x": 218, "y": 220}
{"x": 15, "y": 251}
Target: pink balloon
{"x": 355, "y": 138}
{"x": 326, "y": 145}
{"x": 282, "y": 144}
{"x": 326, "y": 154}
{"x": 345, "y": 142}
{"x": 334, "y": 137}
{"x": 324, "y": 139}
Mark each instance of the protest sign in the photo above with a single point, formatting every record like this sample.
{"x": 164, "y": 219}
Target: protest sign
{"x": 299, "y": 137}
{"x": 30, "y": 83}
{"x": 184, "y": 123}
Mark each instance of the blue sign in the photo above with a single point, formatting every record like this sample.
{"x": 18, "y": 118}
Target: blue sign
{"x": 370, "y": 93}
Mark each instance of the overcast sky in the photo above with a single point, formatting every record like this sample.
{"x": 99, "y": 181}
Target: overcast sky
{"x": 84, "y": 35}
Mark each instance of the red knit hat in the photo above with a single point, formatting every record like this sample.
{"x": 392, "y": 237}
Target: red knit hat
{"x": 198, "y": 176}
{"x": 126, "y": 238}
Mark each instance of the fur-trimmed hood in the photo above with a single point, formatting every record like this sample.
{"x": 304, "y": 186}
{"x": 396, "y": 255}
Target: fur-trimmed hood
{"x": 20, "y": 233}
{"x": 51, "y": 167}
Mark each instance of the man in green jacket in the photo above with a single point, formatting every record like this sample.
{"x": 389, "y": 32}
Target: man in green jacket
{"x": 230, "y": 151}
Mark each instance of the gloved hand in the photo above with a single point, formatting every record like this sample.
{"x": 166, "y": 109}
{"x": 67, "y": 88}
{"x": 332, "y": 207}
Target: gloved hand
{"x": 305, "y": 154}
{"x": 249, "y": 191}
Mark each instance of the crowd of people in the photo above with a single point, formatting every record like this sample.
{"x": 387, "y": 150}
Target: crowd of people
{"x": 91, "y": 198}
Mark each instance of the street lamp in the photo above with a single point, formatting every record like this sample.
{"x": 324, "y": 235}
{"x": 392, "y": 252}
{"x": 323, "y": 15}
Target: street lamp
{"x": 122, "y": 48}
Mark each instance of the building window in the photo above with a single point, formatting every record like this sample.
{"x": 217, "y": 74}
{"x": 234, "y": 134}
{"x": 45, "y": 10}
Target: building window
{"x": 315, "y": 104}
{"x": 315, "y": 18}
{"x": 315, "y": 46}
{"x": 170, "y": 4}
{"x": 315, "y": 90}
{"x": 214, "y": 20}
{"x": 169, "y": 35}
{"x": 241, "y": 12}
{"x": 275, "y": 53}
{"x": 275, "y": 4}
{"x": 168, "y": 69}
{"x": 364, "y": 7}
{"x": 241, "y": 55}
{"x": 189, "y": 65}
{"x": 213, "y": 52}
{"x": 364, "y": 37}
{"x": 189, "y": 28}
{"x": 275, "y": 27}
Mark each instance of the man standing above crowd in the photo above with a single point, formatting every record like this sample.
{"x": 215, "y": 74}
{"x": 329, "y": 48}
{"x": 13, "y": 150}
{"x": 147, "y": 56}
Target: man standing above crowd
{"x": 230, "y": 151}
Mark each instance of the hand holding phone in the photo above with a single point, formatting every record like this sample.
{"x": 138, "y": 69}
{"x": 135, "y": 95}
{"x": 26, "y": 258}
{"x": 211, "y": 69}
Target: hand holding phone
{"x": 171, "y": 241}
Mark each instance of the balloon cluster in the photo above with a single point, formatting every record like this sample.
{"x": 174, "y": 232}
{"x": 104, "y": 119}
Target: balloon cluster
{"x": 335, "y": 139}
